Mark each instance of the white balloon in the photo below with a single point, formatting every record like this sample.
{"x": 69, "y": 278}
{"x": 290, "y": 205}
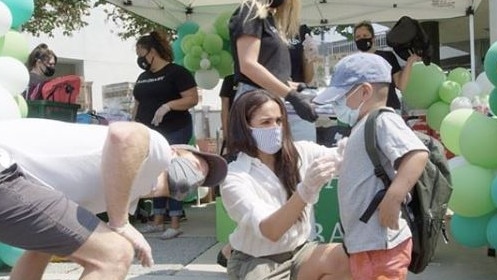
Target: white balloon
{"x": 205, "y": 63}
{"x": 5, "y": 19}
{"x": 461, "y": 102}
{"x": 14, "y": 76}
{"x": 470, "y": 89}
{"x": 456, "y": 162}
{"x": 8, "y": 106}
{"x": 484, "y": 83}
{"x": 207, "y": 79}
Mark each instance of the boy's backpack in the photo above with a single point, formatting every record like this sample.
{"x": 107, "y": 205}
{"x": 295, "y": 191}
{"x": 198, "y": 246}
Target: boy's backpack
{"x": 430, "y": 195}
{"x": 61, "y": 89}
{"x": 407, "y": 36}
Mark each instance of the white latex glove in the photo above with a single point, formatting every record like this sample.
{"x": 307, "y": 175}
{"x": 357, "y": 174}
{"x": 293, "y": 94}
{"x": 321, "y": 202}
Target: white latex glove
{"x": 143, "y": 251}
{"x": 317, "y": 175}
{"x": 160, "y": 113}
{"x": 340, "y": 150}
{"x": 311, "y": 52}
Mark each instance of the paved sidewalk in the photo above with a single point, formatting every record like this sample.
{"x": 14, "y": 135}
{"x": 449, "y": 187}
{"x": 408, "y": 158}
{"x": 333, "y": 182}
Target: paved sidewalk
{"x": 193, "y": 256}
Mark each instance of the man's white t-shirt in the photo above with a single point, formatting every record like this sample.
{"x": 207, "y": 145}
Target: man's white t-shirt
{"x": 67, "y": 157}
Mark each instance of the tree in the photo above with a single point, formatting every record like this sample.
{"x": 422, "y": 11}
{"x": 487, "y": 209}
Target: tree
{"x": 71, "y": 15}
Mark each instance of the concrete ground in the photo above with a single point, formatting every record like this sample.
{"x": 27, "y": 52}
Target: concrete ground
{"x": 193, "y": 256}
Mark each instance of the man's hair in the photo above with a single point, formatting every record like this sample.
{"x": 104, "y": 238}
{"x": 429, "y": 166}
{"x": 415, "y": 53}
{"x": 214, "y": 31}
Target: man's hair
{"x": 366, "y": 24}
{"x": 240, "y": 137}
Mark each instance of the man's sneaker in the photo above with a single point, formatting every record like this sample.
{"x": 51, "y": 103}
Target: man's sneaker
{"x": 171, "y": 233}
{"x": 150, "y": 228}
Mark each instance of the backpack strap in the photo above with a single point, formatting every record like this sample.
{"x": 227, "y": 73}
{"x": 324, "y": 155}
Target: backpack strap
{"x": 379, "y": 170}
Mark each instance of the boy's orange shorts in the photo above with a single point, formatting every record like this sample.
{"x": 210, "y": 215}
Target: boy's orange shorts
{"x": 389, "y": 264}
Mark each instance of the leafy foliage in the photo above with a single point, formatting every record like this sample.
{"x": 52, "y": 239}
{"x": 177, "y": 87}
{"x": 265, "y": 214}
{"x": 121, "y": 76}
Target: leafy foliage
{"x": 71, "y": 15}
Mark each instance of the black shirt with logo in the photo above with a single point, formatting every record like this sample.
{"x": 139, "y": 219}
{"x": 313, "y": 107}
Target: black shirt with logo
{"x": 152, "y": 90}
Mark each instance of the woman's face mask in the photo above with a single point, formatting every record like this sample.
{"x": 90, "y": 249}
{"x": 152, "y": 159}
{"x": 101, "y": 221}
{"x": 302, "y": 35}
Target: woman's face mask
{"x": 364, "y": 44}
{"x": 48, "y": 71}
{"x": 268, "y": 139}
{"x": 143, "y": 63}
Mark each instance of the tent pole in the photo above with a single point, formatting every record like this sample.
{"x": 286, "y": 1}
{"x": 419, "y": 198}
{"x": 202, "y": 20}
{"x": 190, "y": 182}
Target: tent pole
{"x": 471, "y": 13}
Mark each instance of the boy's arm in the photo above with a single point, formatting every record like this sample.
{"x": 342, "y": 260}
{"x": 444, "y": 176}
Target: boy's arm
{"x": 410, "y": 168}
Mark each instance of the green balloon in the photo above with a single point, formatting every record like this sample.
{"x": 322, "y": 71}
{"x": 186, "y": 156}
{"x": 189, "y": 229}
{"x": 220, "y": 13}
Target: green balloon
{"x": 15, "y": 45}
{"x": 221, "y": 25}
{"x": 196, "y": 51}
{"x": 21, "y": 11}
{"x": 191, "y": 62}
{"x": 187, "y": 27}
{"x": 451, "y": 127}
{"x": 198, "y": 38}
{"x": 225, "y": 66}
{"x": 212, "y": 43}
{"x": 470, "y": 232}
{"x": 477, "y": 140}
{"x": 459, "y": 75}
{"x": 423, "y": 85}
{"x": 23, "y": 105}
{"x": 186, "y": 43}
{"x": 9, "y": 254}
{"x": 449, "y": 90}
{"x": 492, "y": 232}
{"x": 215, "y": 59}
{"x": 490, "y": 64}
{"x": 471, "y": 190}
{"x": 436, "y": 113}
{"x": 492, "y": 101}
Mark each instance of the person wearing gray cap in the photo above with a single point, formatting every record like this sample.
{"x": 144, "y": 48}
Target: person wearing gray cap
{"x": 55, "y": 176}
{"x": 381, "y": 247}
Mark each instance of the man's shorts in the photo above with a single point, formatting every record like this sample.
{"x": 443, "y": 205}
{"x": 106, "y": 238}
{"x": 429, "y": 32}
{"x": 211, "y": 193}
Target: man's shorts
{"x": 34, "y": 217}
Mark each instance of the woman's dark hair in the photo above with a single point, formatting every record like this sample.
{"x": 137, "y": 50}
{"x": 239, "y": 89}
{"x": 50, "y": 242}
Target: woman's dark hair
{"x": 40, "y": 52}
{"x": 240, "y": 137}
{"x": 366, "y": 24}
{"x": 159, "y": 41}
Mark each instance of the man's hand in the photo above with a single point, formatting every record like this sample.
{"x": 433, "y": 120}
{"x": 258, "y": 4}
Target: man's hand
{"x": 302, "y": 106}
{"x": 160, "y": 113}
{"x": 143, "y": 251}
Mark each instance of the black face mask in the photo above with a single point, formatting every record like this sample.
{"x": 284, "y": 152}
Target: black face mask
{"x": 364, "y": 44}
{"x": 276, "y": 3}
{"x": 48, "y": 71}
{"x": 143, "y": 63}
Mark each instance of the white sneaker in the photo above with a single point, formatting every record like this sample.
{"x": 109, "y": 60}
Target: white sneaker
{"x": 171, "y": 233}
{"x": 150, "y": 228}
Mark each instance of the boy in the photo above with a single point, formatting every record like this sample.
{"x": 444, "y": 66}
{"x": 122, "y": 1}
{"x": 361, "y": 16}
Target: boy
{"x": 380, "y": 248}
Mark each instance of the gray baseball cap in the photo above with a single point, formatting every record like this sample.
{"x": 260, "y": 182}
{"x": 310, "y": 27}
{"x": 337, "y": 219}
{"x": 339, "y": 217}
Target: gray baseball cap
{"x": 353, "y": 70}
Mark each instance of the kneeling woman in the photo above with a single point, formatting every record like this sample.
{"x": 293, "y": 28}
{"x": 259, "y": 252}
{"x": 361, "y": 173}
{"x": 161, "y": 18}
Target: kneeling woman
{"x": 269, "y": 193}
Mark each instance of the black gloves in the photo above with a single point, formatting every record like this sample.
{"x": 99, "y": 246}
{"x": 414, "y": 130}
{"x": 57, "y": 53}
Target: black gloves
{"x": 302, "y": 106}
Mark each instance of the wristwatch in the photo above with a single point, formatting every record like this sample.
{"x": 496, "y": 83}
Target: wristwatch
{"x": 5, "y": 160}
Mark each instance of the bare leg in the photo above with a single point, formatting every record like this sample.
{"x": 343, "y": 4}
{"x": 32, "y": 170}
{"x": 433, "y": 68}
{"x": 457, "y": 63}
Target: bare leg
{"x": 30, "y": 266}
{"x": 327, "y": 261}
{"x": 105, "y": 255}
{"x": 175, "y": 222}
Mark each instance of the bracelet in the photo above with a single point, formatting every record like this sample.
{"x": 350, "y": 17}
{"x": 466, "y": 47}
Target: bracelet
{"x": 119, "y": 229}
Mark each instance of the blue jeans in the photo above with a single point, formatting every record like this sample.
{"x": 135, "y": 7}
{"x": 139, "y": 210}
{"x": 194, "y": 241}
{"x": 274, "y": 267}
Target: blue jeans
{"x": 180, "y": 136}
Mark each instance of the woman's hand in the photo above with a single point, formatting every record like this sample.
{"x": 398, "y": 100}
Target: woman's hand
{"x": 160, "y": 113}
{"x": 320, "y": 172}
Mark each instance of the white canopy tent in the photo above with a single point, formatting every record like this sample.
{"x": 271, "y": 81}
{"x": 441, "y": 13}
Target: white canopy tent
{"x": 171, "y": 13}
